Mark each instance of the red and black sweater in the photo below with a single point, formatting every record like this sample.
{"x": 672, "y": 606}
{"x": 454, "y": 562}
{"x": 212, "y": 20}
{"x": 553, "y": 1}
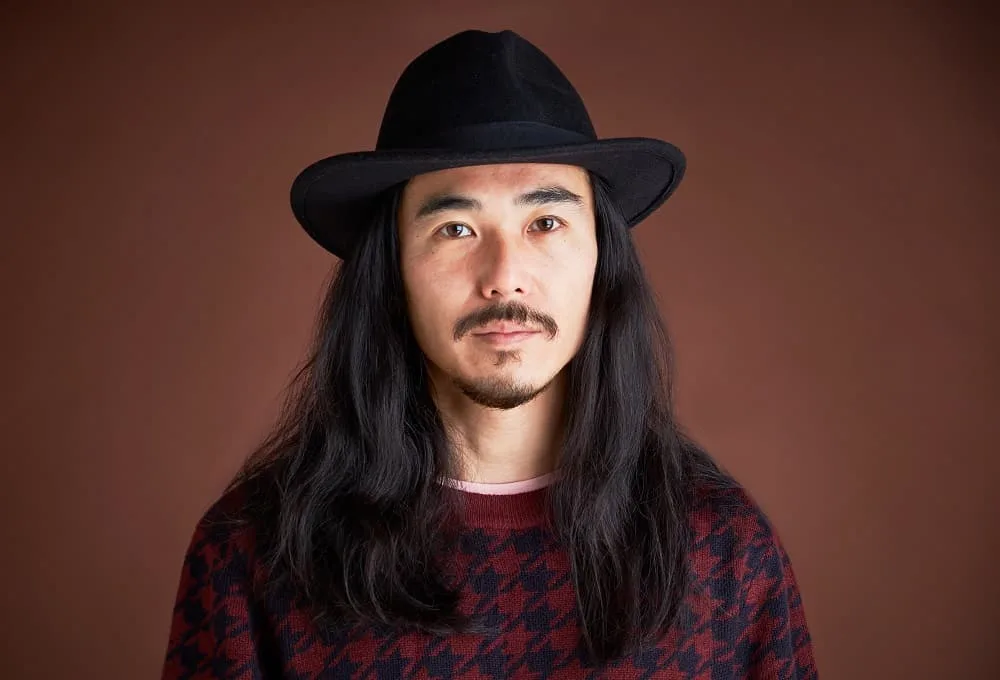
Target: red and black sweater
{"x": 743, "y": 620}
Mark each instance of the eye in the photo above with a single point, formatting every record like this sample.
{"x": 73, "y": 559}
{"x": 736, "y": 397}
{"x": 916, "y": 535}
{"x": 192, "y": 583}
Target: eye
{"x": 453, "y": 230}
{"x": 547, "y": 223}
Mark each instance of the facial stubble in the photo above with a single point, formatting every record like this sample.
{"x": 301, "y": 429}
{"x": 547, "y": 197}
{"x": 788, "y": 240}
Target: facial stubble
{"x": 499, "y": 392}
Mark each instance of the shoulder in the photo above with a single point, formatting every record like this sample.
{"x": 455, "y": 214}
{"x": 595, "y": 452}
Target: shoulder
{"x": 225, "y": 519}
{"x": 733, "y": 540}
{"x": 732, "y": 512}
{"x": 213, "y": 627}
{"x": 744, "y": 589}
{"x": 223, "y": 540}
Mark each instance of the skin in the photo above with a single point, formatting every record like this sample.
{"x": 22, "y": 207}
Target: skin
{"x": 463, "y": 265}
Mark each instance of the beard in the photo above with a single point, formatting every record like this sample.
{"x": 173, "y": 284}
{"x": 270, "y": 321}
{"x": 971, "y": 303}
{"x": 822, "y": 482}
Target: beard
{"x": 499, "y": 392}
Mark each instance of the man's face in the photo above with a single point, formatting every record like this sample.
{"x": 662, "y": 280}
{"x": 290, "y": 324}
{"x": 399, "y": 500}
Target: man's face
{"x": 498, "y": 263}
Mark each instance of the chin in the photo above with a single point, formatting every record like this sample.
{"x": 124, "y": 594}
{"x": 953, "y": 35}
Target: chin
{"x": 499, "y": 394}
{"x": 502, "y": 389}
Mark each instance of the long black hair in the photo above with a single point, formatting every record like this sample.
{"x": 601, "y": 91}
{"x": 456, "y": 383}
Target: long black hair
{"x": 344, "y": 493}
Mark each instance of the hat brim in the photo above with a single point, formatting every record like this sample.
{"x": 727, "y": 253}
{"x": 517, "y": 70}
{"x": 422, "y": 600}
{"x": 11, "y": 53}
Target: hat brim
{"x": 332, "y": 198}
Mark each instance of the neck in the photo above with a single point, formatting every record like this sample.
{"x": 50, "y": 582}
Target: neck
{"x": 500, "y": 446}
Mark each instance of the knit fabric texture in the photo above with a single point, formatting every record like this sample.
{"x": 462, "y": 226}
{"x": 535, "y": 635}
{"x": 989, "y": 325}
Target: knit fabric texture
{"x": 743, "y": 616}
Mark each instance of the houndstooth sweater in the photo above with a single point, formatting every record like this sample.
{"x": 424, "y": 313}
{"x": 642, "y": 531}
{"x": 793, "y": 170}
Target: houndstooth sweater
{"x": 743, "y": 619}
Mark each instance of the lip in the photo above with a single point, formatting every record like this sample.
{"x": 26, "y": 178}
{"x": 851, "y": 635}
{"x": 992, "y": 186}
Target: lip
{"x": 505, "y": 335}
{"x": 503, "y": 328}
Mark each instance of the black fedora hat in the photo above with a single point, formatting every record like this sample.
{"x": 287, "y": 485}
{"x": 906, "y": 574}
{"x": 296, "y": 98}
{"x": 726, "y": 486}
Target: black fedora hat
{"x": 478, "y": 98}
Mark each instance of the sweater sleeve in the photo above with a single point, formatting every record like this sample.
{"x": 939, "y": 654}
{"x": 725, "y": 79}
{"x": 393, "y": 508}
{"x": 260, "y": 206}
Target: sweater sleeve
{"x": 779, "y": 638}
{"x": 213, "y": 633}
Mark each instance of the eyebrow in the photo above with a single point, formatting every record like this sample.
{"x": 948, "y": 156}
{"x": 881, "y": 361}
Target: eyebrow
{"x": 547, "y": 195}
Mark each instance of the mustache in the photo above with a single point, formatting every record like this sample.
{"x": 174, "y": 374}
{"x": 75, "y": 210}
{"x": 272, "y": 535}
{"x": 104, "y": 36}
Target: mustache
{"x": 506, "y": 311}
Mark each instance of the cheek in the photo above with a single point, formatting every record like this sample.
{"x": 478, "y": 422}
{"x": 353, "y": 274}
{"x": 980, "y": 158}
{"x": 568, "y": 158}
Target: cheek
{"x": 428, "y": 303}
{"x": 574, "y": 300}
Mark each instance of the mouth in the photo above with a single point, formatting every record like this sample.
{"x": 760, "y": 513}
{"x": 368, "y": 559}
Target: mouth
{"x": 504, "y": 334}
{"x": 503, "y": 328}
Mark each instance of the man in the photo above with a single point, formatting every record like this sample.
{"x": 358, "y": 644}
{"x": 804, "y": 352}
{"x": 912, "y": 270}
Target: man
{"x": 479, "y": 474}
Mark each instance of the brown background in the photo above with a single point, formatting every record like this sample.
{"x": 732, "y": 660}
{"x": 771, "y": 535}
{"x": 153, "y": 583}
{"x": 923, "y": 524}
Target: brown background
{"x": 828, "y": 271}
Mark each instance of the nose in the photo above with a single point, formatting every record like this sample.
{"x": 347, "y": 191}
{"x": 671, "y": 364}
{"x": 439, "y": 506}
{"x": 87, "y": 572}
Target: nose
{"x": 503, "y": 271}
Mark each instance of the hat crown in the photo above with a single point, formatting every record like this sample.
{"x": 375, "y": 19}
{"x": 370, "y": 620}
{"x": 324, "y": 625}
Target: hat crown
{"x": 478, "y": 90}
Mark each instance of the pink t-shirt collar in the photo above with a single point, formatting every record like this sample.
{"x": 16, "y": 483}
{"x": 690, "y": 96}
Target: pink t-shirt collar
{"x": 504, "y": 488}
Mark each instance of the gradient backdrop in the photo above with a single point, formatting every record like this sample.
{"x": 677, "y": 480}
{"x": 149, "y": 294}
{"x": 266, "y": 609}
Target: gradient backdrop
{"x": 828, "y": 270}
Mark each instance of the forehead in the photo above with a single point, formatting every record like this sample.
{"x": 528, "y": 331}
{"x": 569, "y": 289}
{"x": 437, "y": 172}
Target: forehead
{"x": 495, "y": 179}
